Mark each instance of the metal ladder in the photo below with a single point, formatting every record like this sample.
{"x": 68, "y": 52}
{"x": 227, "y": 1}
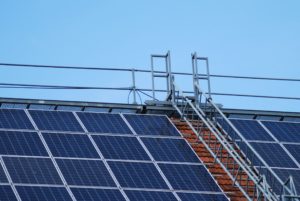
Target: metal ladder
{"x": 161, "y": 74}
{"x": 205, "y": 113}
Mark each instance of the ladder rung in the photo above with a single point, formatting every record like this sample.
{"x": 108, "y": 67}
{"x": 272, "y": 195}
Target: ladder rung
{"x": 202, "y": 77}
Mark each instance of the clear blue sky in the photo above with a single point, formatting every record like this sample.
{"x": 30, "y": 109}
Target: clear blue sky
{"x": 256, "y": 38}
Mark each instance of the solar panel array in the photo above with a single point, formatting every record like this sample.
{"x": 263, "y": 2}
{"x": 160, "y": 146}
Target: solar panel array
{"x": 64, "y": 155}
{"x": 278, "y": 144}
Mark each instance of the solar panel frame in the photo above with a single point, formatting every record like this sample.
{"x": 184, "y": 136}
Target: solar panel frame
{"x": 43, "y": 193}
{"x": 141, "y": 174}
{"x": 139, "y": 195}
{"x": 100, "y": 122}
{"x": 70, "y": 145}
{"x": 15, "y": 119}
{"x": 273, "y": 154}
{"x": 3, "y": 177}
{"x": 202, "y": 197}
{"x": 95, "y": 194}
{"x": 172, "y": 150}
{"x": 251, "y": 130}
{"x": 83, "y": 172}
{"x": 148, "y": 124}
{"x": 120, "y": 147}
{"x": 30, "y": 170}
{"x": 284, "y": 131}
{"x": 189, "y": 177}
{"x": 21, "y": 143}
{"x": 55, "y": 120}
{"x": 294, "y": 149}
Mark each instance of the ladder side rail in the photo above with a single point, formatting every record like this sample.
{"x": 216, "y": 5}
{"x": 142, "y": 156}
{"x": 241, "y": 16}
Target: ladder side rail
{"x": 227, "y": 146}
{"x": 222, "y": 115}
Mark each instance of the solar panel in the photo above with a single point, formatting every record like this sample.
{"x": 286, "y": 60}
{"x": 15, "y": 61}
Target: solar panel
{"x": 93, "y": 194}
{"x": 70, "y": 145}
{"x": 151, "y": 125}
{"x": 189, "y": 177}
{"x": 14, "y": 119}
{"x": 104, "y": 123}
{"x": 137, "y": 175}
{"x": 7, "y": 193}
{"x": 134, "y": 195}
{"x": 36, "y": 193}
{"x": 21, "y": 143}
{"x": 251, "y": 130}
{"x": 85, "y": 172}
{"x": 285, "y": 173}
{"x": 163, "y": 149}
{"x": 273, "y": 154}
{"x": 284, "y": 131}
{"x": 294, "y": 149}
{"x": 32, "y": 170}
{"x": 55, "y": 120}
{"x": 202, "y": 197}
{"x": 3, "y": 178}
{"x": 117, "y": 147}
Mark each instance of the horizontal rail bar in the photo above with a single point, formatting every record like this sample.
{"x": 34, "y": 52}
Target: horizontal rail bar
{"x": 256, "y": 96}
{"x": 143, "y": 70}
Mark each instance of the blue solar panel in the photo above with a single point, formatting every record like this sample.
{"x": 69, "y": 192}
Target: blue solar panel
{"x": 284, "y": 175}
{"x": 21, "y": 143}
{"x": 7, "y": 194}
{"x": 32, "y": 170}
{"x": 202, "y": 197}
{"x": 117, "y": 147}
{"x": 251, "y": 130}
{"x": 273, "y": 154}
{"x": 55, "y": 120}
{"x": 152, "y": 125}
{"x": 137, "y": 175}
{"x": 177, "y": 150}
{"x": 284, "y": 131}
{"x": 14, "y": 119}
{"x": 35, "y": 193}
{"x": 189, "y": 177}
{"x": 3, "y": 178}
{"x": 104, "y": 123}
{"x": 89, "y": 194}
{"x": 85, "y": 172}
{"x": 294, "y": 149}
{"x": 150, "y": 196}
{"x": 70, "y": 145}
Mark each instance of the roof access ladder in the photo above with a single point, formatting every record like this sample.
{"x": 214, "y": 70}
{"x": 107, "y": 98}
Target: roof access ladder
{"x": 202, "y": 113}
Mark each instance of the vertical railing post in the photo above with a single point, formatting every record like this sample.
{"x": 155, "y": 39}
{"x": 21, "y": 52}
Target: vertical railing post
{"x": 133, "y": 85}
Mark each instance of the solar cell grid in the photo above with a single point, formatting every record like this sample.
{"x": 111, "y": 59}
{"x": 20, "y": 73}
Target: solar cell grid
{"x": 70, "y": 145}
{"x": 189, "y": 177}
{"x": 273, "y": 154}
{"x": 151, "y": 125}
{"x": 202, "y": 197}
{"x": 284, "y": 131}
{"x": 137, "y": 175}
{"x": 7, "y": 194}
{"x": 85, "y": 172}
{"x": 3, "y": 178}
{"x": 294, "y": 149}
{"x": 35, "y": 193}
{"x": 104, "y": 123}
{"x": 32, "y": 170}
{"x": 134, "y": 195}
{"x": 14, "y": 119}
{"x": 89, "y": 194}
{"x": 163, "y": 149}
{"x": 21, "y": 143}
{"x": 118, "y": 147}
{"x": 251, "y": 130}
{"x": 55, "y": 120}
{"x": 285, "y": 173}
